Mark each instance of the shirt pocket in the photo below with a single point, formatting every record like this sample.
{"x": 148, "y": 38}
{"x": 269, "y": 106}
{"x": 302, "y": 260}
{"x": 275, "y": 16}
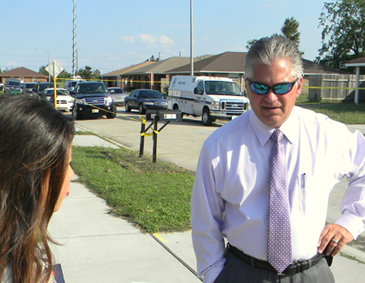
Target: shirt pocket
{"x": 307, "y": 189}
{"x": 312, "y": 194}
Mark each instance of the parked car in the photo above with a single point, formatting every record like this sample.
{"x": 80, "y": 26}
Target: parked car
{"x": 39, "y": 88}
{"x": 93, "y": 98}
{"x": 27, "y": 88}
{"x": 12, "y": 86}
{"x": 70, "y": 85}
{"x": 143, "y": 99}
{"x": 65, "y": 101}
{"x": 118, "y": 95}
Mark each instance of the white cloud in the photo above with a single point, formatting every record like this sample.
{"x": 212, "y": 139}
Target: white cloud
{"x": 128, "y": 38}
{"x": 165, "y": 40}
{"x": 112, "y": 57}
{"x": 150, "y": 39}
{"x": 188, "y": 40}
{"x": 61, "y": 62}
{"x": 239, "y": 49}
{"x": 12, "y": 64}
{"x": 147, "y": 38}
{"x": 138, "y": 55}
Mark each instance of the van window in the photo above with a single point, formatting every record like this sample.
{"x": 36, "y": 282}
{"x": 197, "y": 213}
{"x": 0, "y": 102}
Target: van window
{"x": 222, "y": 88}
{"x": 200, "y": 87}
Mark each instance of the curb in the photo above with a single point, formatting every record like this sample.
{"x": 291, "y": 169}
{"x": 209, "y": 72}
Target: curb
{"x": 357, "y": 254}
{"x": 81, "y": 129}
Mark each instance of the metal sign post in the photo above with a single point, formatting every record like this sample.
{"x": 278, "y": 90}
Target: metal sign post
{"x": 55, "y": 69}
{"x": 143, "y": 134}
{"x": 156, "y": 115}
{"x": 154, "y": 152}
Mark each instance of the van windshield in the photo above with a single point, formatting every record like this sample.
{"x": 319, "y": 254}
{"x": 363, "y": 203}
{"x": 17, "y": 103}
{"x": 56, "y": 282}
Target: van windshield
{"x": 222, "y": 88}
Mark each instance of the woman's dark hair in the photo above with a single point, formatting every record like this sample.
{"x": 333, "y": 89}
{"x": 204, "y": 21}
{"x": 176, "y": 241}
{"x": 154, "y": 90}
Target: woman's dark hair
{"x": 35, "y": 143}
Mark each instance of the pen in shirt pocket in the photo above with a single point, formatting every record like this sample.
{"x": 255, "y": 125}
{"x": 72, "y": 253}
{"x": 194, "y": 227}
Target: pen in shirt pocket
{"x": 302, "y": 193}
{"x": 304, "y": 180}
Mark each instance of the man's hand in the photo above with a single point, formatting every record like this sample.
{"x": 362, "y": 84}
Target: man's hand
{"x": 334, "y": 237}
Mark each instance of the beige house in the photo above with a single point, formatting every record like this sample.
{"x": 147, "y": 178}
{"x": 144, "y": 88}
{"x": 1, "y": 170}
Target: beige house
{"x": 118, "y": 79}
{"x": 24, "y": 75}
{"x": 155, "y": 76}
{"x": 158, "y": 74}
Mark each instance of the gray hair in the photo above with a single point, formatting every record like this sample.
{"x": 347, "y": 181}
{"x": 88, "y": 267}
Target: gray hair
{"x": 266, "y": 49}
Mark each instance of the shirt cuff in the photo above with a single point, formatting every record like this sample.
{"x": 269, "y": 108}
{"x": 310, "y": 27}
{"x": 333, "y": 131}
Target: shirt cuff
{"x": 212, "y": 274}
{"x": 353, "y": 223}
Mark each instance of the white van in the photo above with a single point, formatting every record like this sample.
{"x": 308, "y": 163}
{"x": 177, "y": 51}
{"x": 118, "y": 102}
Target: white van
{"x": 211, "y": 98}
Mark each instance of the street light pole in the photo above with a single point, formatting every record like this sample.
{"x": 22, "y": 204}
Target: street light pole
{"x": 49, "y": 75}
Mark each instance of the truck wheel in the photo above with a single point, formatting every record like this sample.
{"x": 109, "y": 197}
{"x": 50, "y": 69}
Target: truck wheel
{"x": 206, "y": 118}
{"x": 127, "y": 108}
{"x": 176, "y": 107}
{"x": 75, "y": 114}
{"x": 141, "y": 109}
{"x": 113, "y": 114}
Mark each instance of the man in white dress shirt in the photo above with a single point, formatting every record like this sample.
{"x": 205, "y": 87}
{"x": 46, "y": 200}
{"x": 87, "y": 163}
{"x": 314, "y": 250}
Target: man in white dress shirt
{"x": 230, "y": 199}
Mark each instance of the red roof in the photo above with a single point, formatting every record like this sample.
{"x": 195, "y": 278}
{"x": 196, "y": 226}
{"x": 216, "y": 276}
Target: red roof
{"x": 22, "y": 72}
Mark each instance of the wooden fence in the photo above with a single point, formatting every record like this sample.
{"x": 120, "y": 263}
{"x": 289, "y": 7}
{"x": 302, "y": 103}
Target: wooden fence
{"x": 334, "y": 87}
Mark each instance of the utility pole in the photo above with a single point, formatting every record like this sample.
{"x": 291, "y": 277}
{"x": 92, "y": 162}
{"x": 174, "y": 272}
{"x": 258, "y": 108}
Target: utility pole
{"x": 191, "y": 40}
{"x": 77, "y": 60}
{"x": 73, "y": 40}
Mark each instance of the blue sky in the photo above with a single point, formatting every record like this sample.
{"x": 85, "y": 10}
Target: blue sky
{"x": 113, "y": 34}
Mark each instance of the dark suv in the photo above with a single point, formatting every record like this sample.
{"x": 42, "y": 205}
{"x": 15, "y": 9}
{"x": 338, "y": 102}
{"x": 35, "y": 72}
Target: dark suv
{"x": 27, "y": 88}
{"x": 38, "y": 89}
{"x": 93, "y": 98}
{"x": 13, "y": 87}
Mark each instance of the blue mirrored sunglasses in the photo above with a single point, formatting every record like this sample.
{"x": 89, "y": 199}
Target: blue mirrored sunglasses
{"x": 280, "y": 89}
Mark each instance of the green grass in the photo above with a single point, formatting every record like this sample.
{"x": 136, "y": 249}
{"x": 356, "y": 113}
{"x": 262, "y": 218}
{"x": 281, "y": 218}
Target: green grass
{"x": 345, "y": 112}
{"x": 155, "y": 196}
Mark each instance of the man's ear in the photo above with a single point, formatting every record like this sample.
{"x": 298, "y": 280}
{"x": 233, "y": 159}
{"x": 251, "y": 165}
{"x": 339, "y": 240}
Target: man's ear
{"x": 247, "y": 87}
{"x": 299, "y": 87}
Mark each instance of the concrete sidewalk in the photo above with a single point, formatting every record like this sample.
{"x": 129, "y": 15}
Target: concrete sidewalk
{"x": 98, "y": 247}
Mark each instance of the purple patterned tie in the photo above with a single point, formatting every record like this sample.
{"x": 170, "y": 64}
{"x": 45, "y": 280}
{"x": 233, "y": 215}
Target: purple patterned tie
{"x": 279, "y": 253}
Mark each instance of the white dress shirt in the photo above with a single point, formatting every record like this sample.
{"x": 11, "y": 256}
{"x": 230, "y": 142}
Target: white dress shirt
{"x": 230, "y": 194}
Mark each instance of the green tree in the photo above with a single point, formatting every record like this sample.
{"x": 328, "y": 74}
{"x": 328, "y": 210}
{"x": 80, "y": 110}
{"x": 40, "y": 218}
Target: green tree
{"x": 290, "y": 31}
{"x": 250, "y": 43}
{"x": 88, "y": 74}
{"x": 343, "y": 23}
{"x": 85, "y": 73}
{"x": 43, "y": 71}
{"x": 64, "y": 75}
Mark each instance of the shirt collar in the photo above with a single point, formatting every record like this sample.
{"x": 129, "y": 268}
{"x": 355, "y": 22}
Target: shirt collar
{"x": 263, "y": 132}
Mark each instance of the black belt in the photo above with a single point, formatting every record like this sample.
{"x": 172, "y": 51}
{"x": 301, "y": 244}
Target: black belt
{"x": 292, "y": 269}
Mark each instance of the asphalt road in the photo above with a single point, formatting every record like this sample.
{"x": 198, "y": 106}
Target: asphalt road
{"x": 178, "y": 142}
